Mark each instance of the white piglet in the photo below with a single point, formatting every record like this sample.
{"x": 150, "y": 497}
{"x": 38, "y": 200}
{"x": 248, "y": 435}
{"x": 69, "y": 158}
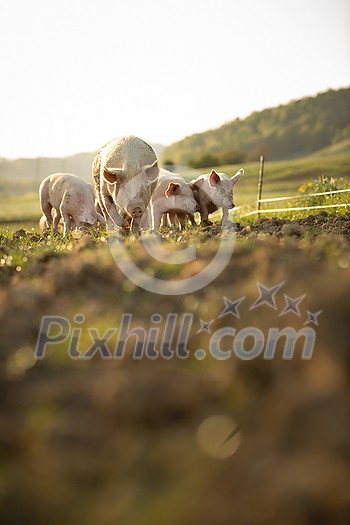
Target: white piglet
{"x": 171, "y": 195}
{"x": 71, "y": 198}
{"x": 214, "y": 191}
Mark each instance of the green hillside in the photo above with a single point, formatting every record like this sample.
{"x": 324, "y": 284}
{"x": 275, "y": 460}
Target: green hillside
{"x": 289, "y": 131}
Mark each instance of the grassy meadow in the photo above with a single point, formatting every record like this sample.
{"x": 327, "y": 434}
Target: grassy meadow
{"x": 20, "y": 202}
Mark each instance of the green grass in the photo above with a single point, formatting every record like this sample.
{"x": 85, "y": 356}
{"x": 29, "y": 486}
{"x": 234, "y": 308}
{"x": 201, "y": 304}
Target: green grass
{"x": 309, "y": 197}
{"x": 20, "y": 207}
{"x": 340, "y": 148}
{"x": 17, "y": 250}
{"x": 281, "y": 178}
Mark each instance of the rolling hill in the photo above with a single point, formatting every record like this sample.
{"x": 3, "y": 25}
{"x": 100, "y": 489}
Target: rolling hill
{"x": 299, "y": 128}
{"x": 24, "y": 175}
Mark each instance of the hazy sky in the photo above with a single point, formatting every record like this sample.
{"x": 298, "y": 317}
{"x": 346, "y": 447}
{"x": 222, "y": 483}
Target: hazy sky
{"x": 75, "y": 74}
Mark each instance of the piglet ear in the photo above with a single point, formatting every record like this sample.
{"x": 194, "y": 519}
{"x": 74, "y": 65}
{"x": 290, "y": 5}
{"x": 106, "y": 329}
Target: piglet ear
{"x": 112, "y": 174}
{"x": 195, "y": 184}
{"x": 172, "y": 189}
{"x": 214, "y": 178}
{"x": 238, "y": 175}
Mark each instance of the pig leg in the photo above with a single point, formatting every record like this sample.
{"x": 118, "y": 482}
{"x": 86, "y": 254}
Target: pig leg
{"x": 67, "y": 221}
{"x": 43, "y": 223}
{"x": 157, "y": 216}
{"x": 181, "y": 219}
{"x": 146, "y": 222}
{"x": 224, "y": 221}
{"x": 46, "y": 208}
{"x": 173, "y": 219}
{"x": 146, "y": 218}
{"x": 135, "y": 226}
{"x": 100, "y": 207}
{"x": 184, "y": 217}
{"x": 165, "y": 220}
{"x": 203, "y": 209}
{"x": 56, "y": 220}
{"x": 191, "y": 217}
{"x": 151, "y": 218}
{"x": 204, "y": 215}
{"x": 45, "y": 204}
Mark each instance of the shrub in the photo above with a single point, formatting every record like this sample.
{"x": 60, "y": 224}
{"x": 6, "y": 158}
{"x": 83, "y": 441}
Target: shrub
{"x": 206, "y": 160}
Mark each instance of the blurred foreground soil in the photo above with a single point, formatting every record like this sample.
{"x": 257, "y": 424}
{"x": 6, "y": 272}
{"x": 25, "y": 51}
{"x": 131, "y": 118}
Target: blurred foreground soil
{"x": 180, "y": 441}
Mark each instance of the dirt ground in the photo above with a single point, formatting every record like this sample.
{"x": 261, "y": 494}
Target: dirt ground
{"x": 190, "y": 439}
{"x": 309, "y": 227}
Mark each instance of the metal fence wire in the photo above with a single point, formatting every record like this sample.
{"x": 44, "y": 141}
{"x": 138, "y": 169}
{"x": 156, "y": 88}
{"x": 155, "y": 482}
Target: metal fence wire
{"x": 260, "y": 200}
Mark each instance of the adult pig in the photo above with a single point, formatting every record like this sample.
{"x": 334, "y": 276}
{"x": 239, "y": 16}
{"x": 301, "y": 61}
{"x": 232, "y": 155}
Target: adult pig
{"x": 125, "y": 173}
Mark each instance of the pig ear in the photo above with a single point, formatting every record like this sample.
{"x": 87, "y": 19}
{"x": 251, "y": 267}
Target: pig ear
{"x": 238, "y": 175}
{"x": 112, "y": 174}
{"x": 172, "y": 189}
{"x": 214, "y": 178}
{"x": 152, "y": 171}
{"x": 195, "y": 184}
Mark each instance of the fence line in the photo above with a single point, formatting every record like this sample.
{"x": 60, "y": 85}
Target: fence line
{"x": 305, "y": 195}
{"x": 274, "y": 210}
{"x": 292, "y": 197}
{"x": 261, "y": 180}
{"x": 275, "y": 199}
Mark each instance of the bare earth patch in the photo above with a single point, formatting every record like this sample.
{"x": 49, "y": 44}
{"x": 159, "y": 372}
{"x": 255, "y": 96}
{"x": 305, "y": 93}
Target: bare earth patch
{"x": 116, "y": 441}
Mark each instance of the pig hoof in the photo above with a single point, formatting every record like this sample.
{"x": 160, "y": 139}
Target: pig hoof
{"x": 229, "y": 225}
{"x": 206, "y": 222}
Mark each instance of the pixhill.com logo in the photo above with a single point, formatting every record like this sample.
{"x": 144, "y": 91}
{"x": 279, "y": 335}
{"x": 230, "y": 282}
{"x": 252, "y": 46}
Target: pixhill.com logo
{"x": 174, "y": 335}
{"x": 251, "y": 342}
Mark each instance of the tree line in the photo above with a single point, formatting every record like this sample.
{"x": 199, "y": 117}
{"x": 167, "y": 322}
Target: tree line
{"x": 284, "y": 132}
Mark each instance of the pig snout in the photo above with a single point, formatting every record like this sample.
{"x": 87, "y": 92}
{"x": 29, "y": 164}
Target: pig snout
{"x": 84, "y": 227}
{"x": 228, "y": 203}
{"x": 191, "y": 206}
{"x": 136, "y": 213}
{"x": 86, "y": 218}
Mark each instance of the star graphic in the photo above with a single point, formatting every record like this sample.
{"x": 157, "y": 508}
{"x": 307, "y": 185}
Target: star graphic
{"x": 292, "y": 305}
{"x": 312, "y": 317}
{"x": 205, "y": 327}
{"x": 231, "y": 307}
{"x": 267, "y": 295}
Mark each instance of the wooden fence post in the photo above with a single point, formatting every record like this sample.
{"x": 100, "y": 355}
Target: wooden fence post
{"x": 260, "y": 183}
